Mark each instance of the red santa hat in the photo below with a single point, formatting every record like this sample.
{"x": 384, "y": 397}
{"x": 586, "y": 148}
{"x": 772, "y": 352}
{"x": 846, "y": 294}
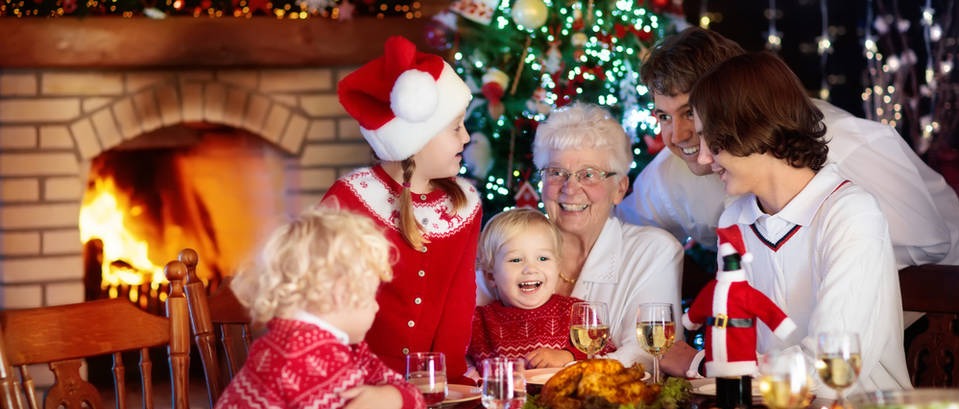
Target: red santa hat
{"x": 403, "y": 99}
{"x": 731, "y": 242}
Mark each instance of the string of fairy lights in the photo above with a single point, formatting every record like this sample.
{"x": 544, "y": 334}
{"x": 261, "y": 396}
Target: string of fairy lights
{"x": 281, "y": 9}
{"x": 916, "y": 98}
{"x": 913, "y": 96}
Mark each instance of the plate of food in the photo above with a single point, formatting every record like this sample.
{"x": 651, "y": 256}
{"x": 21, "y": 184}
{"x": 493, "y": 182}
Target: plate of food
{"x": 461, "y": 393}
{"x": 539, "y": 376}
{"x": 604, "y": 379}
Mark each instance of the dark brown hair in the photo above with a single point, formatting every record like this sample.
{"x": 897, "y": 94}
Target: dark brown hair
{"x": 675, "y": 64}
{"x": 753, "y": 103}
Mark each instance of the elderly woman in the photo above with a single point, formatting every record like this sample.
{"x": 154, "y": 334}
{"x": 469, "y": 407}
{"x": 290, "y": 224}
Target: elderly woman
{"x": 584, "y": 155}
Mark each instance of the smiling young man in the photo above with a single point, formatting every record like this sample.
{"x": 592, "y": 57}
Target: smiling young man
{"x": 820, "y": 243}
{"x": 684, "y": 197}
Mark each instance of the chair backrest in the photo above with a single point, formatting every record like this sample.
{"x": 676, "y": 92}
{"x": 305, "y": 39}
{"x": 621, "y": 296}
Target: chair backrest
{"x": 933, "y": 350}
{"x": 221, "y": 328}
{"x": 62, "y": 336}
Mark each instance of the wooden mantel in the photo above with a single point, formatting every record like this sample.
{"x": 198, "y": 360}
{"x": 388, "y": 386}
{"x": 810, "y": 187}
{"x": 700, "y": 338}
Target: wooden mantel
{"x": 114, "y": 42}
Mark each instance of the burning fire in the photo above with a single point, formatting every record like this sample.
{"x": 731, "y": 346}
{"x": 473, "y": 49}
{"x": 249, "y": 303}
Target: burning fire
{"x": 125, "y": 256}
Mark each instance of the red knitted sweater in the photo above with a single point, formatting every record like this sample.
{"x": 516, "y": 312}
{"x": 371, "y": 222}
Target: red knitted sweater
{"x": 299, "y": 365}
{"x": 513, "y": 332}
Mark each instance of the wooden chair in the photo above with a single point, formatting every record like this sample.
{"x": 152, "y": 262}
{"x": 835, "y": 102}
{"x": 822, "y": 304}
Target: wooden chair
{"x": 932, "y": 349}
{"x": 216, "y": 320}
{"x": 63, "y": 336}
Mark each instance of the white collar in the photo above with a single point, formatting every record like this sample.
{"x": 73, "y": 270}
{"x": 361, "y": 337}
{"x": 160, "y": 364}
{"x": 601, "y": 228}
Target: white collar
{"x": 804, "y": 206}
{"x": 306, "y": 317}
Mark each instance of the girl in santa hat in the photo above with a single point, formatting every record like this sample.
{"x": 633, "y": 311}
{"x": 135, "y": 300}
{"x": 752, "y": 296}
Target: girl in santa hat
{"x": 410, "y": 107}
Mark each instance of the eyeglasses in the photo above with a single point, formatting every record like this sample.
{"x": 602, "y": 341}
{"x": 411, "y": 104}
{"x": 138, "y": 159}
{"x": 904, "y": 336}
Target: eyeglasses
{"x": 585, "y": 177}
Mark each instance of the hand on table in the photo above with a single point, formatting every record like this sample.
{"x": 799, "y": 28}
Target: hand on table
{"x": 368, "y": 396}
{"x": 676, "y": 360}
{"x": 548, "y": 358}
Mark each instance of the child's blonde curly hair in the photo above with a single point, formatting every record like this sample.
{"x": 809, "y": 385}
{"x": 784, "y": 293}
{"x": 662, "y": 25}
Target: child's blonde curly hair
{"x": 304, "y": 259}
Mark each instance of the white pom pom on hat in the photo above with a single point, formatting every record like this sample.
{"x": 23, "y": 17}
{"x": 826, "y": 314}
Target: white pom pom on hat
{"x": 414, "y": 96}
{"x": 403, "y": 99}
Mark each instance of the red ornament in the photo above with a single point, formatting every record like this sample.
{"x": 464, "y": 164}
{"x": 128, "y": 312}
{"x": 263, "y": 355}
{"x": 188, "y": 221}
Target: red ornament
{"x": 526, "y": 196}
{"x": 493, "y": 89}
{"x": 493, "y": 92}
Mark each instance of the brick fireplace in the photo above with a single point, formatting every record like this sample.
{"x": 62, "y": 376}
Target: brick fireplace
{"x": 59, "y": 110}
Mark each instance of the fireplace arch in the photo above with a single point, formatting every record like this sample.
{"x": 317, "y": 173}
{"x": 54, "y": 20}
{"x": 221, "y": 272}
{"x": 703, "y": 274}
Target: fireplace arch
{"x": 53, "y": 123}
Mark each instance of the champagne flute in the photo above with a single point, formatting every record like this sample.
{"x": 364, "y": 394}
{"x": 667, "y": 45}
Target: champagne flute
{"x": 589, "y": 327}
{"x": 504, "y": 383}
{"x": 656, "y": 331}
{"x": 785, "y": 379}
{"x": 838, "y": 361}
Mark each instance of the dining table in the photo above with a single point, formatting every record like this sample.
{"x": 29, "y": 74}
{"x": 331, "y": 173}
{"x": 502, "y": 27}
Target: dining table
{"x": 703, "y": 400}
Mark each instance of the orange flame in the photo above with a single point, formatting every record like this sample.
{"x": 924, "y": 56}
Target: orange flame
{"x": 104, "y": 216}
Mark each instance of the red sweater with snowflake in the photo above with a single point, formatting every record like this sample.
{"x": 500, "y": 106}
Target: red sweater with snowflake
{"x": 513, "y": 332}
{"x": 300, "y": 365}
{"x": 429, "y": 304}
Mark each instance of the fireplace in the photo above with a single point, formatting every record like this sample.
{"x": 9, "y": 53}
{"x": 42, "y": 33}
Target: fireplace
{"x": 213, "y": 188}
{"x": 77, "y": 93}
{"x": 280, "y": 128}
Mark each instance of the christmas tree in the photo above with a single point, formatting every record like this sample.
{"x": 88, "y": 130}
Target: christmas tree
{"x": 531, "y": 56}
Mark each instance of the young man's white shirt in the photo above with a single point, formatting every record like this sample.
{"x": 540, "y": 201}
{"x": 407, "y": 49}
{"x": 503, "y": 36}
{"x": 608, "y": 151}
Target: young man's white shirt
{"x": 826, "y": 259}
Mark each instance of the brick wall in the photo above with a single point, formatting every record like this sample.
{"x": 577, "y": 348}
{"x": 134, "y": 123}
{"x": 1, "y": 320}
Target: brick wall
{"x": 54, "y": 122}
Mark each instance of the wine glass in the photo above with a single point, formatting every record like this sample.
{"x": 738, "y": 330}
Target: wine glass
{"x": 785, "y": 379}
{"x": 656, "y": 331}
{"x": 589, "y": 326}
{"x": 427, "y": 371}
{"x": 838, "y": 361}
{"x": 504, "y": 383}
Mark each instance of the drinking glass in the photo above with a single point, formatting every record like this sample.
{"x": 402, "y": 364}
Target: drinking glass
{"x": 589, "y": 326}
{"x": 427, "y": 371}
{"x": 785, "y": 379}
{"x": 504, "y": 383}
{"x": 838, "y": 361}
{"x": 656, "y": 331}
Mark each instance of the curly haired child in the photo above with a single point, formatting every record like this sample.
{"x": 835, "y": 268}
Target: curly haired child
{"x": 315, "y": 289}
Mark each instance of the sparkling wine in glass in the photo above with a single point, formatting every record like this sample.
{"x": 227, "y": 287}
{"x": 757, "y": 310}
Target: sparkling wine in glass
{"x": 504, "y": 383}
{"x": 427, "y": 371}
{"x": 838, "y": 361}
{"x": 589, "y": 327}
{"x": 656, "y": 331}
{"x": 785, "y": 379}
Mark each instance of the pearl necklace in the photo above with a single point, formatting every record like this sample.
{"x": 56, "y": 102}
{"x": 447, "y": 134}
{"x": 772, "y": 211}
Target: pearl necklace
{"x": 567, "y": 279}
